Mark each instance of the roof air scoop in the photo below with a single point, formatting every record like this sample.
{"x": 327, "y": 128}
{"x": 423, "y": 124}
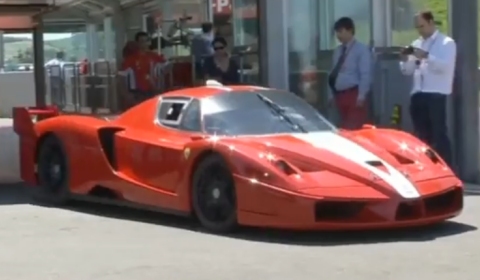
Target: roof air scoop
{"x": 213, "y": 83}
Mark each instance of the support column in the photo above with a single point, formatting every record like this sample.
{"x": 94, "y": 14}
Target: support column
{"x": 39, "y": 66}
{"x": 168, "y": 18}
{"x": 381, "y": 27}
{"x": 210, "y": 10}
{"x": 109, "y": 39}
{"x": 120, "y": 36}
{"x": 92, "y": 42}
{"x": 2, "y": 53}
{"x": 134, "y": 19}
{"x": 465, "y": 92}
{"x": 273, "y": 43}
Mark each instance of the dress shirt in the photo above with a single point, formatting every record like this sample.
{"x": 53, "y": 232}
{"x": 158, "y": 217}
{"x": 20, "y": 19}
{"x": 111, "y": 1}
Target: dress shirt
{"x": 356, "y": 70}
{"x": 435, "y": 73}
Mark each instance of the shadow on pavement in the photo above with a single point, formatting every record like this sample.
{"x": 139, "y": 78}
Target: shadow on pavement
{"x": 19, "y": 194}
{"x": 429, "y": 233}
{"x": 317, "y": 238}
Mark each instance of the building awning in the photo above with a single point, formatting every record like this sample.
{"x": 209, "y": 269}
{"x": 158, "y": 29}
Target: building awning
{"x": 20, "y": 14}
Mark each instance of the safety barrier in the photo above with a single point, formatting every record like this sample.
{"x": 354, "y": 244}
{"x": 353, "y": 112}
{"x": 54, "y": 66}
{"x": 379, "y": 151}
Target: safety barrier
{"x": 178, "y": 72}
{"x": 90, "y": 91}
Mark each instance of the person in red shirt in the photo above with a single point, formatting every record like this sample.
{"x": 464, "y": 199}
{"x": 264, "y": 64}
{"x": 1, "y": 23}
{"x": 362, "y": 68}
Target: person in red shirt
{"x": 84, "y": 67}
{"x": 140, "y": 68}
{"x": 123, "y": 88}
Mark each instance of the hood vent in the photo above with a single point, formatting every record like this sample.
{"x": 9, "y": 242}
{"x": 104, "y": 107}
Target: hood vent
{"x": 377, "y": 164}
{"x": 374, "y": 163}
{"x": 402, "y": 159}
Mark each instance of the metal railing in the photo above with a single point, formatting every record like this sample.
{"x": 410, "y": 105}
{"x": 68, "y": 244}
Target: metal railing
{"x": 98, "y": 90}
{"x": 92, "y": 91}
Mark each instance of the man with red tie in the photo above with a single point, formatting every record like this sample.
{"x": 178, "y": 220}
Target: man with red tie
{"x": 140, "y": 69}
{"x": 351, "y": 77}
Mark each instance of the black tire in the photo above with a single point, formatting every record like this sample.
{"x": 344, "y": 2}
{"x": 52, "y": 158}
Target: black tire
{"x": 53, "y": 172}
{"x": 213, "y": 195}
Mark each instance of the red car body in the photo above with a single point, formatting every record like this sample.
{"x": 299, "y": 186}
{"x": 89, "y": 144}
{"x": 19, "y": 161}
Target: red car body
{"x": 369, "y": 178}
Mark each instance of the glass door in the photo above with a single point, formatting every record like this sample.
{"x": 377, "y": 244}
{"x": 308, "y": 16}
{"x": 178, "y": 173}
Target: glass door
{"x": 312, "y": 42}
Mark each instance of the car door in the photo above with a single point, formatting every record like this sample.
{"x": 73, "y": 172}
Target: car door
{"x": 158, "y": 161}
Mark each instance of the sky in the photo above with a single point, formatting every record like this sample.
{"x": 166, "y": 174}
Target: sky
{"x": 46, "y": 36}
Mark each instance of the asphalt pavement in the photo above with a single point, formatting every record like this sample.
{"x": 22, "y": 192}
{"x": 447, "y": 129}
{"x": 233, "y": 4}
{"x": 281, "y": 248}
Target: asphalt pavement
{"x": 90, "y": 242}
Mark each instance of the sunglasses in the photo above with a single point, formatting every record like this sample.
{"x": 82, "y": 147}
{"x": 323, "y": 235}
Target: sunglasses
{"x": 218, "y": 48}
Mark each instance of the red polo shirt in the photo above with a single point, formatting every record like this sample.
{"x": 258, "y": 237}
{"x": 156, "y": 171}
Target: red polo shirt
{"x": 140, "y": 70}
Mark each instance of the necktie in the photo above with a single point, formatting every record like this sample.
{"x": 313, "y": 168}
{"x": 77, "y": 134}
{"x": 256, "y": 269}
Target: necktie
{"x": 334, "y": 74}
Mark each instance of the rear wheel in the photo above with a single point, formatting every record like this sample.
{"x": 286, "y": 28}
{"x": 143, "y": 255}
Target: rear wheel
{"x": 213, "y": 195}
{"x": 52, "y": 170}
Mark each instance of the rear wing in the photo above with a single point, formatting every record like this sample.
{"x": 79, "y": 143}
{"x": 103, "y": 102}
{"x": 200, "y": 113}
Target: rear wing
{"x": 24, "y": 119}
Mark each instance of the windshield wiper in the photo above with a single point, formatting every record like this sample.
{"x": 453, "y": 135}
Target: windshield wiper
{"x": 279, "y": 111}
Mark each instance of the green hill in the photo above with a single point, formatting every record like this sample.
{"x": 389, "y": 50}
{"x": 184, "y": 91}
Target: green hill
{"x": 404, "y": 31}
{"x": 21, "y": 49}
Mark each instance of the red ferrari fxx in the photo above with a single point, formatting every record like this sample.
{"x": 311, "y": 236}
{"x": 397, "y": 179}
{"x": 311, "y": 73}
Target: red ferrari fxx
{"x": 239, "y": 155}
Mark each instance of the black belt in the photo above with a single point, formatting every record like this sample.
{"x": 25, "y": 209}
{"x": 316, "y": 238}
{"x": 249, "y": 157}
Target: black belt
{"x": 354, "y": 88}
{"x": 332, "y": 80}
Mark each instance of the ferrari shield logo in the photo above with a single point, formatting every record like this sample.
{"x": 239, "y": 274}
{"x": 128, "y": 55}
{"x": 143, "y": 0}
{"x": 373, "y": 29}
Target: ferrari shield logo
{"x": 186, "y": 153}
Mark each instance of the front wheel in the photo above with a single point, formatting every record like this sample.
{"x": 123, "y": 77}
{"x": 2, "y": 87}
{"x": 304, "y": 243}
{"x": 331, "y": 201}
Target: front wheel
{"x": 53, "y": 173}
{"x": 213, "y": 195}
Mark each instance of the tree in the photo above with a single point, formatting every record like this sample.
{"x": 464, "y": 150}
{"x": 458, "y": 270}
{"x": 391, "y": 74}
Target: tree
{"x": 24, "y": 56}
{"x": 19, "y": 55}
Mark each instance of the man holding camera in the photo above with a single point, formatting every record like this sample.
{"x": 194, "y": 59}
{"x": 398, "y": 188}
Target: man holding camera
{"x": 431, "y": 61}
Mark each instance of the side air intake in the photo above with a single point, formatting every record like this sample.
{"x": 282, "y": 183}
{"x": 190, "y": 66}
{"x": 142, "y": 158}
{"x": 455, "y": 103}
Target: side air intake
{"x": 106, "y": 136}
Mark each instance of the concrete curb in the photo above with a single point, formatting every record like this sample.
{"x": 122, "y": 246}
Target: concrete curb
{"x": 9, "y": 153}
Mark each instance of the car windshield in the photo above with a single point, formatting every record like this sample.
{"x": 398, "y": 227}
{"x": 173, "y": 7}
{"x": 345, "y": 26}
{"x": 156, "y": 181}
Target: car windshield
{"x": 259, "y": 113}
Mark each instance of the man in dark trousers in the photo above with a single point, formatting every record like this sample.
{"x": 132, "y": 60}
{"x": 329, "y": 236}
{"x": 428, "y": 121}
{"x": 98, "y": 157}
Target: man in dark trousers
{"x": 431, "y": 61}
{"x": 351, "y": 77}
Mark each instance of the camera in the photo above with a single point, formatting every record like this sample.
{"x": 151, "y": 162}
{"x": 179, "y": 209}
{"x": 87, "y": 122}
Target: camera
{"x": 408, "y": 50}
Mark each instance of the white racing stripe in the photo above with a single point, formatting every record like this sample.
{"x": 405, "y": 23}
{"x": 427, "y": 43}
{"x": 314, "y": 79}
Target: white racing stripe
{"x": 352, "y": 151}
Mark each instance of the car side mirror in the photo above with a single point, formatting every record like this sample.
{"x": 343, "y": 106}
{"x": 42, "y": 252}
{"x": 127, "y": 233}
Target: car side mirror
{"x": 368, "y": 126}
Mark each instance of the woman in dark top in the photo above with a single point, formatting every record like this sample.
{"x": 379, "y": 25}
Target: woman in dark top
{"x": 221, "y": 66}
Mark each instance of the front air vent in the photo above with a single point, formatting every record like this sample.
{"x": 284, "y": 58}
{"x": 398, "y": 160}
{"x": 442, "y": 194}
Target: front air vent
{"x": 338, "y": 210}
{"x": 450, "y": 200}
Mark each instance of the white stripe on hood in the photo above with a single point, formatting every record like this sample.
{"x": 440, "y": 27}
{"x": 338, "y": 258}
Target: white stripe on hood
{"x": 350, "y": 150}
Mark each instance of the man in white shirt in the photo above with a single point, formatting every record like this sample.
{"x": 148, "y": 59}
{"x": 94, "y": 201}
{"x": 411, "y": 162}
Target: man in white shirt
{"x": 431, "y": 61}
{"x": 54, "y": 68}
